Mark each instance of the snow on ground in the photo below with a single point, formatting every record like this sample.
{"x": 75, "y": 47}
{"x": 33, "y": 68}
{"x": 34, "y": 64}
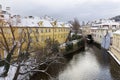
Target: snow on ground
{"x": 10, "y": 75}
{"x": 23, "y": 69}
{"x": 1, "y": 70}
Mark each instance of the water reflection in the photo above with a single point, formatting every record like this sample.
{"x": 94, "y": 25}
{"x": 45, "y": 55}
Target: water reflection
{"x": 93, "y": 64}
{"x": 105, "y": 56}
{"x": 114, "y": 70}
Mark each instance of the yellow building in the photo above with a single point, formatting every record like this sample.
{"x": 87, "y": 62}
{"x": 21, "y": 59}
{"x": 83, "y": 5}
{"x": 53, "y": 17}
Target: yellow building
{"x": 39, "y": 29}
{"x": 115, "y": 48}
{"x": 86, "y": 30}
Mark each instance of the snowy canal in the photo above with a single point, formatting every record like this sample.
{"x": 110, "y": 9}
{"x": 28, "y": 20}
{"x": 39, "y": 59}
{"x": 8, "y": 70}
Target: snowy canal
{"x": 93, "y": 64}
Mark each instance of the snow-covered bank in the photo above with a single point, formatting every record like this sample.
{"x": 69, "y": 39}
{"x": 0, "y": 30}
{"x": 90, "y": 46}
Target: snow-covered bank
{"x": 11, "y": 73}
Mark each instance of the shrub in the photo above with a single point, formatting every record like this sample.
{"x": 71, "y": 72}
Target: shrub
{"x": 52, "y": 45}
{"x": 69, "y": 46}
{"x": 2, "y": 63}
{"x": 80, "y": 43}
{"x": 75, "y": 36}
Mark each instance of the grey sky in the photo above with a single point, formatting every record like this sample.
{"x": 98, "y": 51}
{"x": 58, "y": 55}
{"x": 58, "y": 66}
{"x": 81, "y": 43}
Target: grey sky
{"x": 84, "y": 10}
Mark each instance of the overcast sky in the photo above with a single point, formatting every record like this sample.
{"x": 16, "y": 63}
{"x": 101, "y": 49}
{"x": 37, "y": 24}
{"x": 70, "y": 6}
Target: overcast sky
{"x": 65, "y": 10}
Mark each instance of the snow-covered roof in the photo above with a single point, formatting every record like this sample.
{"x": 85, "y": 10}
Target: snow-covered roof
{"x": 94, "y": 28}
{"x": 104, "y": 22}
{"x": 109, "y": 23}
{"x": 117, "y": 32}
{"x": 104, "y": 28}
{"x": 4, "y": 16}
{"x": 46, "y": 23}
{"x": 67, "y": 25}
{"x": 34, "y": 22}
{"x": 30, "y": 21}
{"x": 61, "y": 24}
{"x": 95, "y": 25}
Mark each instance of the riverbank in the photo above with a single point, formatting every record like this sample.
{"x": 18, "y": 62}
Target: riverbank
{"x": 80, "y": 65}
{"x": 115, "y": 57}
{"x": 91, "y": 64}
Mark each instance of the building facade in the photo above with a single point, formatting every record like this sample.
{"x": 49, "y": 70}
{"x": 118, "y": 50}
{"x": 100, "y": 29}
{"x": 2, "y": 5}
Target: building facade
{"x": 100, "y": 27}
{"x": 115, "y": 48}
{"x": 39, "y": 30}
{"x": 86, "y": 29}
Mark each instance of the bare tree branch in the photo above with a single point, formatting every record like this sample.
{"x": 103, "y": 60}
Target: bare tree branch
{"x": 29, "y": 40}
{"x": 75, "y": 25}
{"x": 5, "y": 40}
{"x": 12, "y": 31}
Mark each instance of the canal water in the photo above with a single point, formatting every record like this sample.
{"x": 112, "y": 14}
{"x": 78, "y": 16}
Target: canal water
{"x": 92, "y": 64}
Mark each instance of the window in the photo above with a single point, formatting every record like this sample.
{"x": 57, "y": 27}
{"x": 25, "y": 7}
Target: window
{"x": 61, "y": 30}
{"x": 37, "y": 39}
{"x": 2, "y": 16}
{"x": 30, "y": 30}
{"x": 55, "y": 30}
{"x": 42, "y": 38}
{"x": 114, "y": 26}
{"x": 48, "y": 30}
{"x": 64, "y": 36}
{"x": 48, "y": 37}
{"x": 20, "y": 30}
{"x": 37, "y": 31}
{"x": 41, "y": 30}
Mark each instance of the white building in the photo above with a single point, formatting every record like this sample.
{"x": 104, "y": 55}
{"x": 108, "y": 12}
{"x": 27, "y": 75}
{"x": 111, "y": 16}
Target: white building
{"x": 100, "y": 27}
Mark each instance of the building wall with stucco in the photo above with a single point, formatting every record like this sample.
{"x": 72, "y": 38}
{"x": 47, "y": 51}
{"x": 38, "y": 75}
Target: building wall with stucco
{"x": 115, "y": 48}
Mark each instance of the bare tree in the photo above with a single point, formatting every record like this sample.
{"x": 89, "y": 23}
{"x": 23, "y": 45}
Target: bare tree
{"x": 75, "y": 28}
{"x": 52, "y": 45}
{"x": 23, "y": 54}
{"x": 24, "y": 46}
{"x": 38, "y": 60}
{"x": 12, "y": 44}
{"x": 9, "y": 49}
{"x": 75, "y": 25}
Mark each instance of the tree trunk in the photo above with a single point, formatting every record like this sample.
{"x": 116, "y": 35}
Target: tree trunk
{"x": 8, "y": 60}
{"x": 17, "y": 73}
{"x": 7, "y": 64}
